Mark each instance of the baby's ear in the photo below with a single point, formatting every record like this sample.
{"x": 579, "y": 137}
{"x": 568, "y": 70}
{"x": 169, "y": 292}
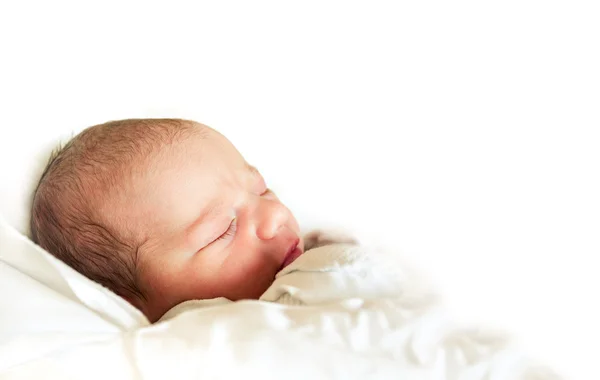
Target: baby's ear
{"x": 319, "y": 238}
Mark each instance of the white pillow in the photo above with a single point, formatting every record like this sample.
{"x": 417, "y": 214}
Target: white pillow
{"x": 55, "y": 323}
{"x": 46, "y": 287}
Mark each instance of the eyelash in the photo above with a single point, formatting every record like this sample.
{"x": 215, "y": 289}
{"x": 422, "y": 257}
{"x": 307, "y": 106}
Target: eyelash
{"x": 233, "y": 226}
{"x": 230, "y": 231}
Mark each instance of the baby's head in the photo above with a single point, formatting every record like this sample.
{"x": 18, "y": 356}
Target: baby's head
{"x": 163, "y": 211}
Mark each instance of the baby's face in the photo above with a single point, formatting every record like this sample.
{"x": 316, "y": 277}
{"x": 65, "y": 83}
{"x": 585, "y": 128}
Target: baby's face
{"x": 211, "y": 226}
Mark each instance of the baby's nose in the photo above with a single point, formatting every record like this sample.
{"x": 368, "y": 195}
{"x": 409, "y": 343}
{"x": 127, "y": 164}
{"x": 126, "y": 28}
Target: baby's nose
{"x": 275, "y": 217}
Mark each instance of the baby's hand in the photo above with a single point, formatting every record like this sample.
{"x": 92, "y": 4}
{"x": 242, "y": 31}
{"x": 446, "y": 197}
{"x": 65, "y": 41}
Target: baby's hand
{"x": 319, "y": 238}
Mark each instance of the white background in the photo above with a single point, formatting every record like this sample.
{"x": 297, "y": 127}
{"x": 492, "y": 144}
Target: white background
{"x": 464, "y": 136}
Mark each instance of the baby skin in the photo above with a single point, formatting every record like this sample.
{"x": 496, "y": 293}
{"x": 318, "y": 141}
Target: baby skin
{"x": 203, "y": 221}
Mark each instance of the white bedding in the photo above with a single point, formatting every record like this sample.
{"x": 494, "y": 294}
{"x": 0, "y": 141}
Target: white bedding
{"x": 337, "y": 312}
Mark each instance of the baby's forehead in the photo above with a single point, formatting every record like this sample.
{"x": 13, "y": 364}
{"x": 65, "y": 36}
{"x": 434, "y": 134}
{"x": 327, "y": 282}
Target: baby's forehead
{"x": 210, "y": 149}
{"x": 207, "y": 154}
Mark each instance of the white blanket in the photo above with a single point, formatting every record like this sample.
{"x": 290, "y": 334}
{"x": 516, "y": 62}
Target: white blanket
{"x": 339, "y": 314}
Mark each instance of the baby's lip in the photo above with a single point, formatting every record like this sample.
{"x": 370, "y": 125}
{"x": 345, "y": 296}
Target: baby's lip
{"x": 292, "y": 254}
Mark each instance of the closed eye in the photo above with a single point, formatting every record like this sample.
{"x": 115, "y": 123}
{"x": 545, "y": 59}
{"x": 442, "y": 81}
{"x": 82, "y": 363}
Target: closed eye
{"x": 230, "y": 230}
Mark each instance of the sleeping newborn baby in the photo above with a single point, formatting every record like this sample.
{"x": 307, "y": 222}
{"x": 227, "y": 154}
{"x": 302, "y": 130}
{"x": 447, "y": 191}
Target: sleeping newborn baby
{"x": 170, "y": 216}
{"x": 163, "y": 211}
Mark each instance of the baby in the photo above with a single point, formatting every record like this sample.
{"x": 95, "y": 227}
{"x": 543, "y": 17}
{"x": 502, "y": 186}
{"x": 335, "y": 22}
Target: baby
{"x": 163, "y": 211}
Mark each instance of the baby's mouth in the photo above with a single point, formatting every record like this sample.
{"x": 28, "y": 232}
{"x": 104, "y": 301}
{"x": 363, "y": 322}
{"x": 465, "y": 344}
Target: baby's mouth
{"x": 292, "y": 254}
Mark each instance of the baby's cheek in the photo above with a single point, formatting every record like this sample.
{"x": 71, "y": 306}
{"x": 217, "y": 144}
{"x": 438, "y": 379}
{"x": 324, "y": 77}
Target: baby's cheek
{"x": 249, "y": 275}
